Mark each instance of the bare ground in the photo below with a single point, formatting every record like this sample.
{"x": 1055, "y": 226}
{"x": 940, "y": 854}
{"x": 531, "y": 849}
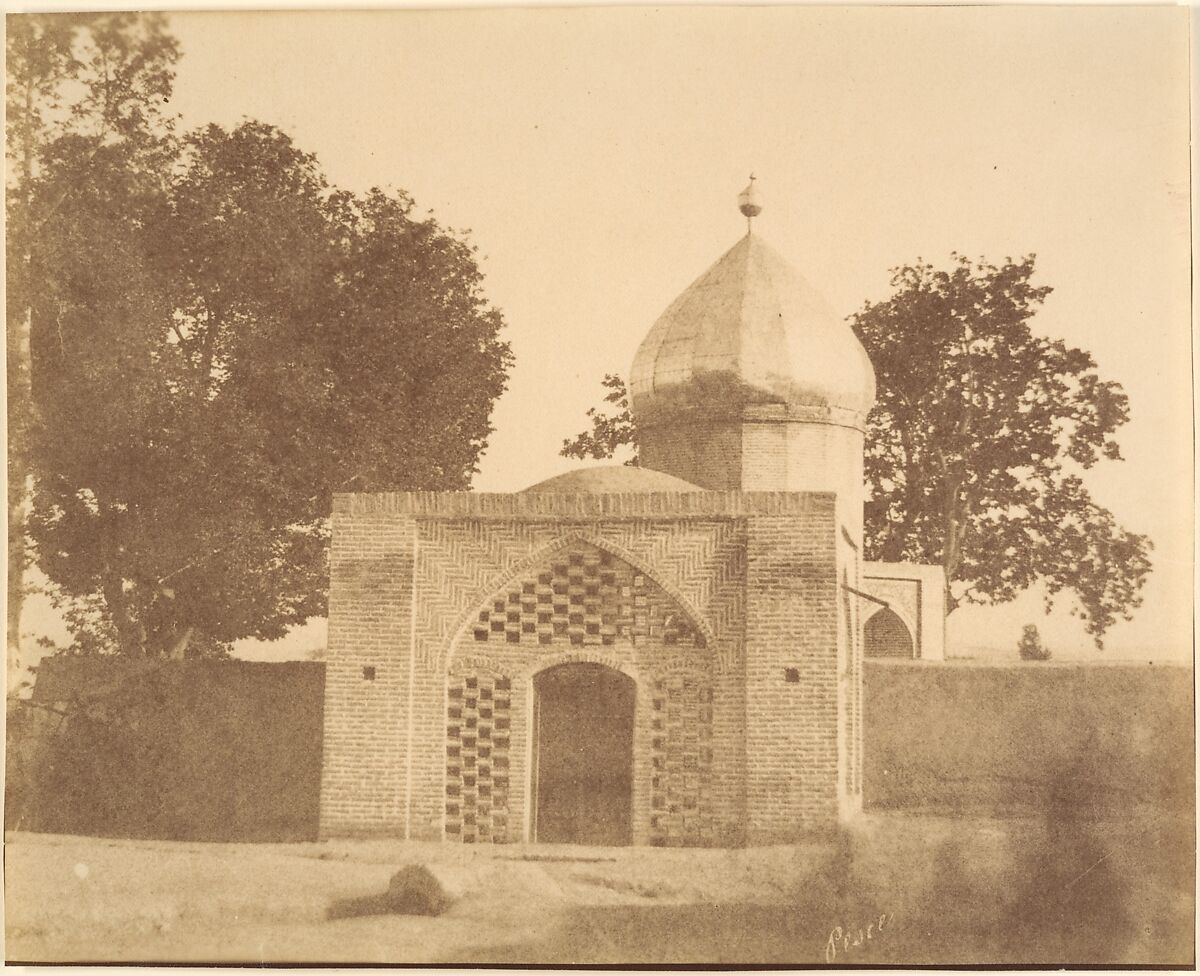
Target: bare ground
{"x": 966, "y": 890}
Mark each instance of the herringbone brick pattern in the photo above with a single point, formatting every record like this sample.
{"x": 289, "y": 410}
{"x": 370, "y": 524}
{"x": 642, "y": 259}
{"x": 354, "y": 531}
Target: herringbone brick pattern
{"x": 461, "y": 565}
{"x": 727, "y": 610}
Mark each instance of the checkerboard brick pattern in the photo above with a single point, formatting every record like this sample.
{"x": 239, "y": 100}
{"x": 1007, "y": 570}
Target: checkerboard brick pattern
{"x": 681, "y": 760}
{"x": 478, "y": 736}
{"x": 586, "y": 596}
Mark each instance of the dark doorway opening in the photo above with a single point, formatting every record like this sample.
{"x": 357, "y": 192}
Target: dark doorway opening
{"x": 886, "y": 635}
{"x": 583, "y": 755}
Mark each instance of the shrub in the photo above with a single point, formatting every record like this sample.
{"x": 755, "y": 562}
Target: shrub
{"x": 1030, "y": 646}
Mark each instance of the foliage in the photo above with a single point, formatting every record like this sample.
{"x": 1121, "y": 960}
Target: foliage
{"x": 97, "y": 81}
{"x": 253, "y": 341}
{"x": 976, "y": 443}
{"x": 610, "y": 431}
{"x": 1030, "y": 646}
{"x": 979, "y": 431}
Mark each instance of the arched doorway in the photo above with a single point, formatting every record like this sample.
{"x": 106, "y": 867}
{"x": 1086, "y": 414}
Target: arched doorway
{"x": 583, "y": 755}
{"x": 885, "y": 635}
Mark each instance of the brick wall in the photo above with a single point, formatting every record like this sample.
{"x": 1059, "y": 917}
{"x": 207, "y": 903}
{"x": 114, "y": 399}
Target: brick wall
{"x": 961, "y": 737}
{"x": 763, "y": 449}
{"x": 414, "y": 575}
{"x": 367, "y": 673}
{"x": 584, "y": 603}
{"x": 173, "y": 750}
{"x": 705, "y": 452}
{"x": 792, "y": 686}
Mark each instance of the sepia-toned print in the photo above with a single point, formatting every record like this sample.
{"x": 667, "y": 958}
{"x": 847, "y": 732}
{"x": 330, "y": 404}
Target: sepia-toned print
{"x": 763, "y": 538}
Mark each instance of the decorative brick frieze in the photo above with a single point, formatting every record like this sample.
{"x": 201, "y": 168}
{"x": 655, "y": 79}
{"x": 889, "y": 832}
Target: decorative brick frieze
{"x": 463, "y": 565}
{"x": 585, "y": 596}
{"x": 673, "y": 505}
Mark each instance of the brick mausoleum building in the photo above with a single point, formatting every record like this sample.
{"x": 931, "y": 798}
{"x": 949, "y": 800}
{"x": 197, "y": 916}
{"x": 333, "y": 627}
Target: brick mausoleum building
{"x": 669, "y": 654}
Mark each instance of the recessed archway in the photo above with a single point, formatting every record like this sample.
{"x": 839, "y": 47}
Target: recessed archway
{"x": 583, "y": 725}
{"x": 886, "y": 635}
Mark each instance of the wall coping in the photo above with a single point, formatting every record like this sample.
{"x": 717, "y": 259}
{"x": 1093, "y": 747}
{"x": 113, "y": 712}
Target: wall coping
{"x": 653, "y": 504}
{"x": 1025, "y": 667}
{"x": 931, "y": 574}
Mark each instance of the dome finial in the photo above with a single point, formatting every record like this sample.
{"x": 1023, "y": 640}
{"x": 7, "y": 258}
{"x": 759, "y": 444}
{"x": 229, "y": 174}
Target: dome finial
{"x": 748, "y": 202}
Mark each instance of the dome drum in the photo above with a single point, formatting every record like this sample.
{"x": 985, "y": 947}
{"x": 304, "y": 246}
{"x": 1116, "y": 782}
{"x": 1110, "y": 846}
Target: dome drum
{"x": 684, "y": 407}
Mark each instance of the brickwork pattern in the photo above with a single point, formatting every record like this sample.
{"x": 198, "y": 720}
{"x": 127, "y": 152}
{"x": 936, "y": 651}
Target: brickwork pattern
{"x": 681, "y": 761}
{"x": 363, "y": 769}
{"x": 761, "y": 451}
{"x": 792, "y": 677}
{"x": 885, "y": 634}
{"x": 586, "y": 596}
{"x": 696, "y": 560}
{"x": 463, "y": 564}
{"x": 704, "y": 451}
{"x": 478, "y": 734}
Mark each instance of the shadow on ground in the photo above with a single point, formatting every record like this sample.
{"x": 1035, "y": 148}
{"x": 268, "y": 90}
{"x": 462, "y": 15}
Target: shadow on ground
{"x": 1060, "y": 891}
{"x": 1068, "y": 887}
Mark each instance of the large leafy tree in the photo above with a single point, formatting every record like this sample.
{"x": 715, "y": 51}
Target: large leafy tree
{"x": 978, "y": 439}
{"x": 976, "y": 445}
{"x": 99, "y": 80}
{"x": 249, "y": 341}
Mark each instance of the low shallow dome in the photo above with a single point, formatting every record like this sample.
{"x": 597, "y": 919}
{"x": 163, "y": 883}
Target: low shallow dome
{"x": 611, "y": 478}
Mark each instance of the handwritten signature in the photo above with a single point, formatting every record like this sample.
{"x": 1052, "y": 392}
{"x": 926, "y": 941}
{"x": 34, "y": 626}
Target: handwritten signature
{"x": 843, "y": 940}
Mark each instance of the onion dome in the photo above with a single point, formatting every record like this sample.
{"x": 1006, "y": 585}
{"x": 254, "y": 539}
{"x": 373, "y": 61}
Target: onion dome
{"x": 751, "y": 330}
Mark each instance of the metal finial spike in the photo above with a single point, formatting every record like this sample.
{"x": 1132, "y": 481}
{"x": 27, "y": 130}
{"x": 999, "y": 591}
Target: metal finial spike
{"x": 749, "y": 203}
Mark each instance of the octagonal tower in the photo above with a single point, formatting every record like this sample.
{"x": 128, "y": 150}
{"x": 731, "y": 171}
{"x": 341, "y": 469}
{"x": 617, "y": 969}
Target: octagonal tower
{"x": 750, "y": 382}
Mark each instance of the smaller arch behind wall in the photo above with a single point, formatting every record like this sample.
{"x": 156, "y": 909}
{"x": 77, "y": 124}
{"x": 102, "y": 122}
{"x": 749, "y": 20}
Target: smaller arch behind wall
{"x": 885, "y": 634}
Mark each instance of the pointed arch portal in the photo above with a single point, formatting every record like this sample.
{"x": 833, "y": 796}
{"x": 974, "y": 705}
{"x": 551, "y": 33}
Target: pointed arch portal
{"x": 543, "y": 684}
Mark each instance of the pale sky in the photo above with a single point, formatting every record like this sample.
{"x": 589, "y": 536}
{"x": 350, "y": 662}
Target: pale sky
{"x": 596, "y": 156}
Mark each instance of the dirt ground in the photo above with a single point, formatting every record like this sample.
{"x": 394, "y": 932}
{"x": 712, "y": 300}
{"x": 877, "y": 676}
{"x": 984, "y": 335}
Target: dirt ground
{"x": 950, "y": 891}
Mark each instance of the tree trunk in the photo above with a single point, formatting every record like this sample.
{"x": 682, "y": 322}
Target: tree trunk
{"x": 20, "y": 411}
{"x": 179, "y": 646}
{"x": 129, "y": 632}
{"x": 952, "y": 548}
{"x": 17, "y": 511}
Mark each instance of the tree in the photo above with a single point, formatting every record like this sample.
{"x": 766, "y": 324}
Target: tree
{"x": 610, "y": 432}
{"x": 100, "y": 79}
{"x": 976, "y": 444}
{"x": 977, "y": 439}
{"x": 253, "y": 341}
{"x": 1030, "y": 646}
